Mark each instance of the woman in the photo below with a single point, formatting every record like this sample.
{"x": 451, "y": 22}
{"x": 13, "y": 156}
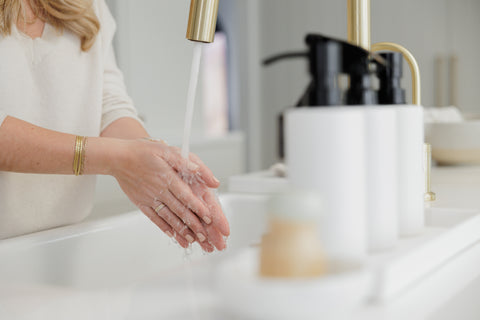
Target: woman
{"x": 65, "y": 117}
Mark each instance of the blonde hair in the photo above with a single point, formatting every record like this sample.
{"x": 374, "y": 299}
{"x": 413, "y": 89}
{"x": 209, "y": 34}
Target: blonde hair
{"x": 76, "y": 16}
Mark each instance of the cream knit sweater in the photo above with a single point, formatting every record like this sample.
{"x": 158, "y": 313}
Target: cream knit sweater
{"x": 51, "y": 83}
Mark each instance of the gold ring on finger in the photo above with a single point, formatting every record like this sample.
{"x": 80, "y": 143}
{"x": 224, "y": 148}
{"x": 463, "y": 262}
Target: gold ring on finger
{"x": 160, "y": 207}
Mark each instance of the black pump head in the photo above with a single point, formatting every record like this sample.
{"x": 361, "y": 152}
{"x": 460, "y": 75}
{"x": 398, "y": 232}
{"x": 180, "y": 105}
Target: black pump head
{"x": 390, "y": 75}
{"x": 331, "y": 57}
{"x": 325, "y": 56}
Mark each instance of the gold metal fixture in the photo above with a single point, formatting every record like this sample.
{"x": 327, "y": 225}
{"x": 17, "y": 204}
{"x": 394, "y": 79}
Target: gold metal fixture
{"x": 358, "y": 17}
{"x": 429, "y": 195}
{"x": 414, "y": 69}
{"x": 202, "y": 20}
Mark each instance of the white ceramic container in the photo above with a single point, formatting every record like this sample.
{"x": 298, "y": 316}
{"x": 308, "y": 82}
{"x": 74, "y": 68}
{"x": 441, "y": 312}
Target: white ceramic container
{"x": 326, "y": 152}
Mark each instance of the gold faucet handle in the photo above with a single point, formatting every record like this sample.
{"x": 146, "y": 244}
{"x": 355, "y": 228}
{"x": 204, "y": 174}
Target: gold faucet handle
{"x": 412, "y": 63}
{"x": 429, "y": 195}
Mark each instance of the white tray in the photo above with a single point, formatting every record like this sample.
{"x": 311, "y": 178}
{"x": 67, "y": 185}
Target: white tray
{"x": 245, "y": 295}
{"x": 385, "y": 275}
{"x": 448, "y": 233}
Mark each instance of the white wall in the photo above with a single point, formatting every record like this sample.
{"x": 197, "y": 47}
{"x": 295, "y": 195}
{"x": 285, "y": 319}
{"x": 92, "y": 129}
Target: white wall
{"x": 427, "y": 28}
{"x": 284, "y": 24}
{"x": 464, "y": 23}
{"x": 155, "y": 57}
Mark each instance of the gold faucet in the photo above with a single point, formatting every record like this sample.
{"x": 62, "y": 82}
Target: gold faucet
{"x": 358, "y": 17}
{"x": 358, "y": 13}
{"x": 202, "y": 20}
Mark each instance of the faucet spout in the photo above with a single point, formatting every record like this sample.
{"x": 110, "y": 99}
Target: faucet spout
{"x": 358, "y": 18}
{"x": 202, "y": 20}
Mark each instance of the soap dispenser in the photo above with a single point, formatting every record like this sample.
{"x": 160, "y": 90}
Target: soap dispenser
{"x": 410, "y": 141}
{"x": 329, "y": 138}
{"x": 381, "y": 129}
{"x": 362, "y": 149}
{"x": 325, "y": 142}
{"x": 342, "y": 142}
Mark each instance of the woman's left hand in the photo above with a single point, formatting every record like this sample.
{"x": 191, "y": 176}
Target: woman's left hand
{"x": 173, "y": 192}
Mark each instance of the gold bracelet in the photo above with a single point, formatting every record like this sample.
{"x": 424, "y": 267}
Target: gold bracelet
{"x": 76, "y": 154}
{"x": 155, "y": 140}
{"x": 79, "y": 157}
{"x": 82, "y": 163}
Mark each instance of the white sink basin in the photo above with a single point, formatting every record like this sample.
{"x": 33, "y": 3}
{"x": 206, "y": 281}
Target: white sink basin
{"x": 125, "y": 268}
{"x": 122, "y": 266}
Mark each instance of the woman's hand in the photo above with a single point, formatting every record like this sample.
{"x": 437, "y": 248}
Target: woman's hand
{"x": 173, "y": 192}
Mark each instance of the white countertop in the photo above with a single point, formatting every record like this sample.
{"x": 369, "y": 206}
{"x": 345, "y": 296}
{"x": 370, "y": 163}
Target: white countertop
{"x": 451, "y": 291}
{"x": 456, "y": 187}
{"x": 97, "y": 256}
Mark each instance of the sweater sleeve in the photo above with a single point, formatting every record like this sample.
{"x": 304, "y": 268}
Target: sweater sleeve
{"x": 116, "y": 102}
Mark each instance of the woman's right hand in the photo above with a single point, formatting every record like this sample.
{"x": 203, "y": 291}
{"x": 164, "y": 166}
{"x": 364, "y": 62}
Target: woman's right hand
{"x": 150, "y": 173}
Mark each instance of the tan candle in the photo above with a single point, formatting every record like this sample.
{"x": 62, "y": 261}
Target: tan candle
{"x": 291, "y": 248}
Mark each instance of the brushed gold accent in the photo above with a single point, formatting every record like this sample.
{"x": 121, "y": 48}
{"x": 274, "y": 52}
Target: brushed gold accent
{"x": 202, "y": 20}
{"x": 358, "y": 23}
{"x": 158, "y": 208}
{"x": 414, "y": 69}
{"x": 429, "y": 195}
{"x": 76, "y": 154}
{"x": 79, "y": 156}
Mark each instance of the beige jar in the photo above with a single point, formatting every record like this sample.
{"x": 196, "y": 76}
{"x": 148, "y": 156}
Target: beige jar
{"x": 291, "y": 248}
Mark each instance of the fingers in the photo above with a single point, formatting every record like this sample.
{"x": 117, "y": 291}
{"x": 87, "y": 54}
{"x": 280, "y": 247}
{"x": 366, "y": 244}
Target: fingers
{"x": 194, "y": 165}
{"x": 180, "y": 232}
{"x": 216, "y": 213}
{"x": 164, "y": 226}
{"x": 216, "y": 238}
{"x": 218, "y": 222}
{"x": 177, "y": 224}
{"x": 181, "y": 228}
{"x": 185, "y": 195}
{"x": 191, "y": 211}
{"x": 206, "y": 246}
{"x": 181, "y": 241}
{"x": 173, "y": 157}
{"x": 186, "y": 216}
{"x": 167, "y": 221}
{"x": 205, "y": 172}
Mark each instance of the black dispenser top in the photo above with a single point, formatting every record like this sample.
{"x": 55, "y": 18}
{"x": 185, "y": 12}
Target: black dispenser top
{"x": 390, "y": 76}
{"x": 329, "y": 58}
{"x": 325, "y": 56}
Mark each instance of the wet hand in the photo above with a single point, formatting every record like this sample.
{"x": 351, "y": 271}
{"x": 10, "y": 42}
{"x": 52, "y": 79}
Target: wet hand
{"x": 173, "y": 192}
